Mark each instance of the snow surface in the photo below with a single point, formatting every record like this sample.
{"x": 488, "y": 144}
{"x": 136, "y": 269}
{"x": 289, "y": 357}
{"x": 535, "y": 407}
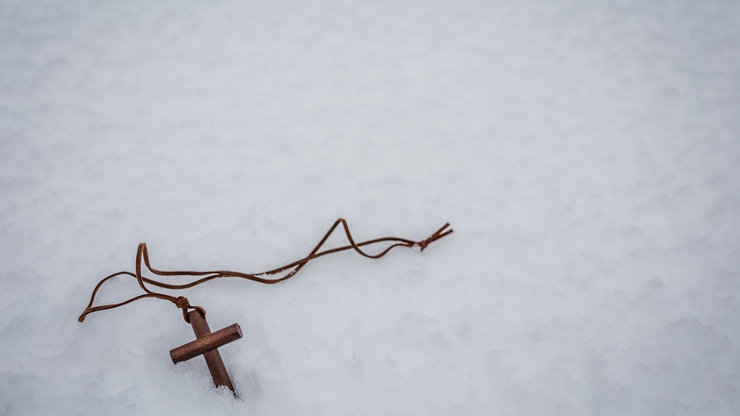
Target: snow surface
{"x": 586, "y": 154}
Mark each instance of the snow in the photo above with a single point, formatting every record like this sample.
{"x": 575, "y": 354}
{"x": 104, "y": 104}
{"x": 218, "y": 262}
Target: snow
{"x": 586, "y": 154}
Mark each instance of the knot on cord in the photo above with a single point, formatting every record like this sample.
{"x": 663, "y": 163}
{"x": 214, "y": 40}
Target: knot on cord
{"x": 183, "y": 303}
{"x": 436, "y": 236}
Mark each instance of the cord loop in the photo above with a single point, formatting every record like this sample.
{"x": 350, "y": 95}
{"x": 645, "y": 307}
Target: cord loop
{"x": 181, "y": 302}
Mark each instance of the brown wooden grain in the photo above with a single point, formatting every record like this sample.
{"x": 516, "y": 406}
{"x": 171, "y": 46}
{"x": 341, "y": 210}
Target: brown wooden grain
{"x": 207, "y": 344}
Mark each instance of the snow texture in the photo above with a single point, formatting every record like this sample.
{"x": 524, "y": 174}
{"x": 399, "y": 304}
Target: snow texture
{"x": 586, "y": 153}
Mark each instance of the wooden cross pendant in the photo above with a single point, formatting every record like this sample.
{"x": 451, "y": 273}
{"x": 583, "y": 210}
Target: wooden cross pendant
{"x": 207, "y": 343}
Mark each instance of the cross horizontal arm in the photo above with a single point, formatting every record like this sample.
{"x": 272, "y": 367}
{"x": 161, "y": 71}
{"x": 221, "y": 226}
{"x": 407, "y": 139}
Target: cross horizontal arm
{"x": 206, "y": 343}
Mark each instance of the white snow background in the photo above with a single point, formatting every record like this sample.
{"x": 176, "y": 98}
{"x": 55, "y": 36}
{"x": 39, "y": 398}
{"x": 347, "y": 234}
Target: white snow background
{"x": 585, "y": 152}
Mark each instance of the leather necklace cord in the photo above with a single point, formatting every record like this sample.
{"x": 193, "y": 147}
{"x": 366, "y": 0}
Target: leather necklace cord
{"x": 181, "y": 302}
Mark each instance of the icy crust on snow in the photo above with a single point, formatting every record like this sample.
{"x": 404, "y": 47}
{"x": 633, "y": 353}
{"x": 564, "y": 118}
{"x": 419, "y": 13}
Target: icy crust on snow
{"x": 586, "y": 154}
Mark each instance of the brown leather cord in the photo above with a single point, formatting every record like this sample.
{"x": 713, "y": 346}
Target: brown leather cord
{"x": 181, "y": 302}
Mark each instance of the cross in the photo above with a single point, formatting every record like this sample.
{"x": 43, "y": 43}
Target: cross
{"x": 207, "y": 343}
